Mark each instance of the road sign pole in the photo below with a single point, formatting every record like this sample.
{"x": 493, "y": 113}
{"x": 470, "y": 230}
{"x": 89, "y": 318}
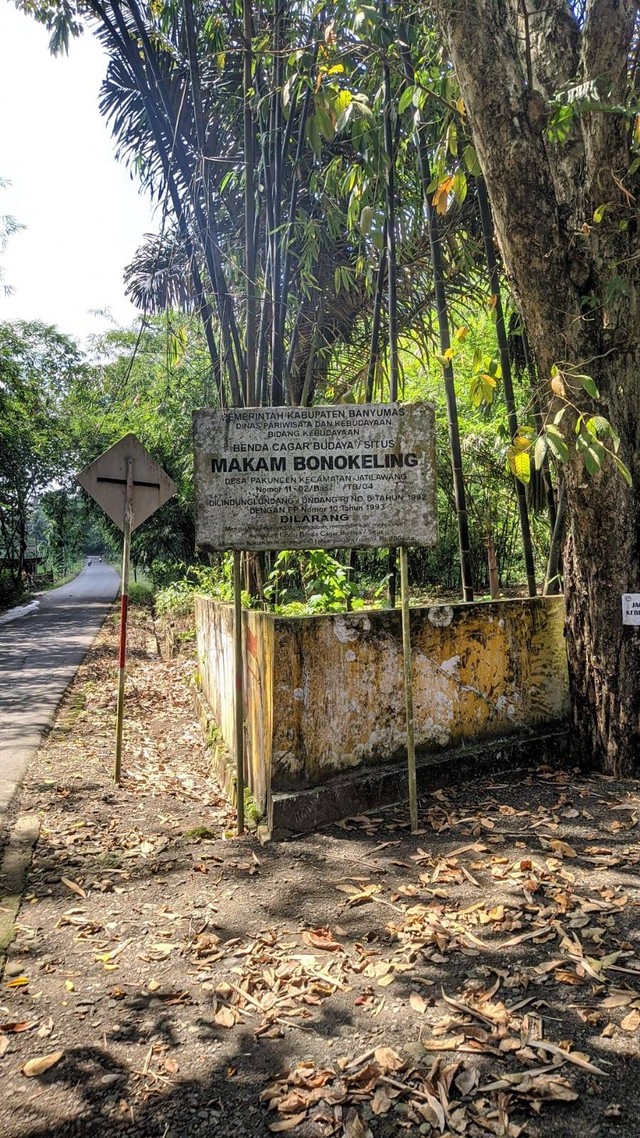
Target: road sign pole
{"x": 239, "y": 663}
{"x": 408, "y": 689}
{"x": 124, "y": 612}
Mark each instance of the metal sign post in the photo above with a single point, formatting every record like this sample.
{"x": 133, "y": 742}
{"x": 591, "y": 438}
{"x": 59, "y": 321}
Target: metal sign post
{"x": 408, "y": 689}
{"x": 239, "y": 708}
{"x": 124, "y": 610}
{"x": 129, "y": 486}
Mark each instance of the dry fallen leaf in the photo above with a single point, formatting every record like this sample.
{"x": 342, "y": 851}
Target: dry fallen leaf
{"x": 225, "y": 1017}
{"x": 353, "y": 1125}
{"x": 445, "y": 1043}
{"x": 563, "y": 849}
{"x": 73, "y": 886}
{"x": 418, "y": 1003}
{"x": 21, "y": 1025}
{"x": 35, "y": 1067}
{"x": 321, "y": 938}
{"x": 380, "y": 1103}
{"x": 388, "y": 1059}
{"x": 289, "y": 1123}
{"x": 631, "y": 1022}
{"x": 618, "y": 1000}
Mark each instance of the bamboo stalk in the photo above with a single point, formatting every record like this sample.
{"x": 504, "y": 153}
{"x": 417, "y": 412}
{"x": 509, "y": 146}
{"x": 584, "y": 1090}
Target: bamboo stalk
{"x": 249, "y": 205}
{"x": 507, "y": 381}
{"x": 392, "y": 268}
{"x": 435, "y": 246}
{"x": 539, "y": 422}
{"x": 277, "y": 386}
{"x": 374, "y": 348}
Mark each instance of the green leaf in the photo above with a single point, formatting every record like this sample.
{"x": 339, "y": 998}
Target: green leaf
{"x": 406, "y": 99}
{"x": 557, "y": 444}
{"x": 482, "y": 389}
{"x": 540, "y": 451}
{"x": 460, "y": 187}
{"x": 470, "y": 159}
{"x": 622, "y": 469}
{"x": 590, "y": 456}
{"x": 324, "y": 122}
{"x": 598, "y": 425}
{"x": 366, "y": 217}
{"x": 589, "y": 385}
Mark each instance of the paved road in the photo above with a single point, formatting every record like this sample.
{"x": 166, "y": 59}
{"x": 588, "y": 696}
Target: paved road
{"x": 40, "y": 651}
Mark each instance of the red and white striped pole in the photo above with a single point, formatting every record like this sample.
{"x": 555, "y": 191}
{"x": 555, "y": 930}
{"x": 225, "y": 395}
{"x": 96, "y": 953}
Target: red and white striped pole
{"x": 124, "y": 611}
{"x": 239, "y": 708}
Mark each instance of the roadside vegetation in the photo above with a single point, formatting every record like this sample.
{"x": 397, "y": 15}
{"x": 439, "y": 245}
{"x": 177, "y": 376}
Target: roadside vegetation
{"x": 350, "y": 211}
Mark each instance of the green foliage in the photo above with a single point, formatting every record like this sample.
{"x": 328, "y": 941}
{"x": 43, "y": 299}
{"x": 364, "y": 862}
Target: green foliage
{"x": 175, "y": 597}
{"x": 38, "y": 366}
{"x": 594, "y": 443}
{"x": 8, "y": 227}
{"x": 147, "y": 382}
{"x": 141, "y": 593}
{"x": 579, "y": 99}
{"x": 313, "y": 581}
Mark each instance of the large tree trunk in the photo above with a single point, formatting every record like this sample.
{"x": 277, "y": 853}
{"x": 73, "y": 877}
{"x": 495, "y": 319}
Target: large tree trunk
{"x": 577, "y": 283}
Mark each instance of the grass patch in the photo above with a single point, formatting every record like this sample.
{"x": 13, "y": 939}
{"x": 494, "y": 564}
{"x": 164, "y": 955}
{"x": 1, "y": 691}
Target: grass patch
{"x": 200, "y": 833}
{"x": 141, "y": 592}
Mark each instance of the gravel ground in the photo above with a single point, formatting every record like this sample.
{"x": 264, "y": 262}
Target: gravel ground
{"x": 169, "y": 979}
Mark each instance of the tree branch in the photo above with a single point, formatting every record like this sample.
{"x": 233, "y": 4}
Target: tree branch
{"x": 606, "y": 42}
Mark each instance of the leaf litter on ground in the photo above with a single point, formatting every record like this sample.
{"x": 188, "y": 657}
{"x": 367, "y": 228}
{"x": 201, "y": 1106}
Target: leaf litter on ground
{"x": 474, "y": 979}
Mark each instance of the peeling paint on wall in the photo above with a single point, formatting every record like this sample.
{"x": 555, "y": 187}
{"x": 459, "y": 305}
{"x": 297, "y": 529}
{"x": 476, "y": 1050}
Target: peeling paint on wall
{"x": 325, "y": 694}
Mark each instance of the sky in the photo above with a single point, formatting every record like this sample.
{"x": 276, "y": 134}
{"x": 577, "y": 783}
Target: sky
{"x": 83, "y": 215}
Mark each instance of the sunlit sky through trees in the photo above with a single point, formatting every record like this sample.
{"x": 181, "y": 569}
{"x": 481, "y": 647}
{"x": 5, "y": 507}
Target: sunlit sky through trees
{"x": 83, "y": 215}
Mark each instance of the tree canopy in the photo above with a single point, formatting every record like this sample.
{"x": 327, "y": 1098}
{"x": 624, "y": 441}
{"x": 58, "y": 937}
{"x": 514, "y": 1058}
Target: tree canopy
{"x": 332, "y": 177}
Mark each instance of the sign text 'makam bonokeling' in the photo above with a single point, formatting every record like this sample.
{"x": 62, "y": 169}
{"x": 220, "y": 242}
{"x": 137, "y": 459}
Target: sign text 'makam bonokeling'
{"x": 303, "y": 478}
{"x": 313, "y": 462}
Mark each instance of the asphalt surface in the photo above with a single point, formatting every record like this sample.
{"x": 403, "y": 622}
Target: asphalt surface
{"x": 41, "y": 646}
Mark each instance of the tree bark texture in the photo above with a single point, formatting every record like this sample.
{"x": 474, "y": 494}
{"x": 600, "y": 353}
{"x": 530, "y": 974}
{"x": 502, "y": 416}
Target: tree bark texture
{"x": 577, "y": 282}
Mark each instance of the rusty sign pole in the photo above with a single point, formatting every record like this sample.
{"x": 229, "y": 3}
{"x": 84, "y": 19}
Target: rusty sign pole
{"x": 128, "y": 501}
{"x": 408, "y": 689}
{"x": 124, "y": 611}
{"x": 239, "y": 668}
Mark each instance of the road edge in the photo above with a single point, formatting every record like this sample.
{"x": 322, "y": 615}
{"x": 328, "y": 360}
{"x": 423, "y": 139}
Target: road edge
{"x": 14, "y": 872}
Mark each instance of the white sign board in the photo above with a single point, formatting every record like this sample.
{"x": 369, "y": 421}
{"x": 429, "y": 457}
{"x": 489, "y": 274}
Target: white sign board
{"x": 343, "y": 476}
{"x": 105, "y": 480}
{"x": 631, "y": 608}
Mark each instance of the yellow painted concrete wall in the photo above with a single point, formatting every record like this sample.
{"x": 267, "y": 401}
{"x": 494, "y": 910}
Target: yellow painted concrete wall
{"x": 325, "y": 694}
{"x": 214, "y": 639}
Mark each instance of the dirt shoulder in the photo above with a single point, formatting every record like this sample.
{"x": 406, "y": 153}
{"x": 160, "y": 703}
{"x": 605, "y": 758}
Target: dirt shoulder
{"x": 167, "y": 979}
